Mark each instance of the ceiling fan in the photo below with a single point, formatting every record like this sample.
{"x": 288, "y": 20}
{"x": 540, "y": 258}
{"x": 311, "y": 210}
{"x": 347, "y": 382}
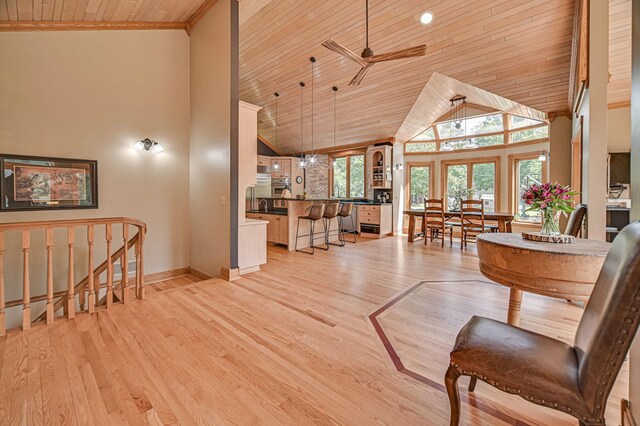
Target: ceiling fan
{"x": 367, "y": 59}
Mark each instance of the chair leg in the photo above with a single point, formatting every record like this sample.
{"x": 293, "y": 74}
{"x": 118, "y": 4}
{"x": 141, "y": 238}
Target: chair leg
{"x": 313, "y": 249}
{"x": 472, "y": 384}
{"x": 451, "y": 381}
{"x": 451, "y": 237}
{"x": 442, "y": 236}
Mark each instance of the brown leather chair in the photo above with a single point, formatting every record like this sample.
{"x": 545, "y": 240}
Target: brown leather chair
{"x": 434, "y": 223}
{"x": 574, "y": 379}
{"x": 574, "y": 225}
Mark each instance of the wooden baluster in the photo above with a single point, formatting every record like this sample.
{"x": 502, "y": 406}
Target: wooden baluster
{"x": 142, "y": 291}
{"x": 3, "y": 326}
{"x": 92, "y": 290}
{"x": 140, "y": 265}
{"x": 71, "y": 301}
{"x": 109, "y": 267}
{"x": 26, "y": 297}
{"x": 49, "y": 241}
{"x": 124, "y": 264}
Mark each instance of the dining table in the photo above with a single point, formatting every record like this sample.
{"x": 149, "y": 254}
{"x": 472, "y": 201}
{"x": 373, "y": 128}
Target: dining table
{"x": 503, "y": 220}
{"x": 566, "y": 271}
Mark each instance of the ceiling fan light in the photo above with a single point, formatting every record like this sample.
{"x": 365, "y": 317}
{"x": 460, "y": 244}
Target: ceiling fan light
{"x": 426, "y": 18}
{"x": 446, "y": 147}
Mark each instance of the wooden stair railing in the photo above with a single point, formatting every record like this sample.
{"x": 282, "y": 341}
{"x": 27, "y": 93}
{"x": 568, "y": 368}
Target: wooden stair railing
{"x": 67, "y": 299}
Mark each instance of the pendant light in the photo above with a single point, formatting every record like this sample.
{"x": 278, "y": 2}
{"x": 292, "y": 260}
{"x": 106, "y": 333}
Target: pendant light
{"x": 335, "y": 92}
{"x": 301, "y": 164}
{"x": 276, "y": 165}
{"x": 312, "y": 157}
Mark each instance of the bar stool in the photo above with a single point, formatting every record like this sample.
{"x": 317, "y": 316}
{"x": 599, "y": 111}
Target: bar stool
{"x": 331, "y": 212}
{"x": 316, "y": 213}
{"x": 345, "y": 211}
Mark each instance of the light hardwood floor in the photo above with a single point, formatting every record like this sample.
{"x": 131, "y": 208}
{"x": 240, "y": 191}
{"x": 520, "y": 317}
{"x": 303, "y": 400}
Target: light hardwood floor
{"x": 292, "y": 344}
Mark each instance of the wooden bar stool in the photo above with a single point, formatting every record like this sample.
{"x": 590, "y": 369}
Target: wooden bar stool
{"x": 331, "y": 212}
{"x": 346, "y": 211}
{"x": 316, "y": 213}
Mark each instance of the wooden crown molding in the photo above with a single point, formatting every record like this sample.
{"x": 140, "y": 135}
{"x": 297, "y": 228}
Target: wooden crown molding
{"x": 17, "y": 26}
{"x": 198, "y": 15}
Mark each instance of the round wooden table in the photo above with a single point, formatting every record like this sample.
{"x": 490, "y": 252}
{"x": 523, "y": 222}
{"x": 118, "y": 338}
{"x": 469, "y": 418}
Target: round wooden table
{"x": 566, "y": 271}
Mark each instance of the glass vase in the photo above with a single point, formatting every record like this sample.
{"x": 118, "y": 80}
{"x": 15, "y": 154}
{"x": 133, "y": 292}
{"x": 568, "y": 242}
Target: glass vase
{"x": 550, "y": 222}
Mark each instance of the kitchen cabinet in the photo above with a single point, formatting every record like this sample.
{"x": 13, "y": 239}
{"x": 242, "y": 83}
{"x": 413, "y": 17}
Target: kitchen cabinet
{"x": 277, "y": 228}
{"x": 284, "y": 171}
{"x": 263, "y": 160}
{"x": 375, "y": 220}
{"x": 379, "y": 160}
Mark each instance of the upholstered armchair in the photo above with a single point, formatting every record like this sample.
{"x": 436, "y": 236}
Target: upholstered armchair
{"x": 575, "y": 379}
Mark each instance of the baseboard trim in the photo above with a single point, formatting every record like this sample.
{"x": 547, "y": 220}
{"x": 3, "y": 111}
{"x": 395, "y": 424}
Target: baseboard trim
{"x": 166, "y": 275}
{"x": 229, "y": 274}
{"x": 200, "y": 275}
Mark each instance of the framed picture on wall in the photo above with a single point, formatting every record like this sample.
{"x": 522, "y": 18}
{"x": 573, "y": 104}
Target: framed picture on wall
{"x": 47, "y": 183}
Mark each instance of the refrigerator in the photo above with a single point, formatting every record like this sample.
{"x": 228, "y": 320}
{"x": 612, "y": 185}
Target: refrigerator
{"x": 262, "y": 189}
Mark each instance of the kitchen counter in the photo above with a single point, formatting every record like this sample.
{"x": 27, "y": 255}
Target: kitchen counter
{"x": 279, "y": 212}
{"x": 356, "y": 201}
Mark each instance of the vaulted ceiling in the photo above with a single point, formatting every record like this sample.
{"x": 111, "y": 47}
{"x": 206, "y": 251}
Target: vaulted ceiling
{"x": 517, "y": 49}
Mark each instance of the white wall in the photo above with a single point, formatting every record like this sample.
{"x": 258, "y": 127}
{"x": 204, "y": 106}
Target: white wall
{"x": 91, "y": 95}
{"x": 210, "y": 140}
{"x": 619, "y": 130}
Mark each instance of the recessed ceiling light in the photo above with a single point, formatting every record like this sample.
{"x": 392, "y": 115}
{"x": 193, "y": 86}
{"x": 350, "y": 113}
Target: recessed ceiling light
{"x": 426, "y": 18}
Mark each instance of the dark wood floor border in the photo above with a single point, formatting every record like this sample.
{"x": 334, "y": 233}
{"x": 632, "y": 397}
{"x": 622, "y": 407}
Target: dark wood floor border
{"x": 473, "y": 401}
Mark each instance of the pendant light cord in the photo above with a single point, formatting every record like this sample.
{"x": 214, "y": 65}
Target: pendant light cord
{"x": 313, "y": 62}
{"x": 277, "y": 95}
{"x": 367, "y": 23}
{"x": 301, "y": 117}
{"x": 335, "y": 92}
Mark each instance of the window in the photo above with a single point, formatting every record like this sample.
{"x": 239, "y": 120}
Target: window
{"x": 518, "y": 122}
{"x": 427, "y": 135}
{"x": 473, "y": 125}
{"x": 480, "y": 131}
{"x": 348, "y": 176}
{"x": 420, "y": 147}
{"x": 530, "y": 134}
{"x": 526, "y": 169}
{"x": 340, "y": 177}
{"x": 481, "y": 176}
{"x": 356, "y": 176}
{"x": 419, "y": 184}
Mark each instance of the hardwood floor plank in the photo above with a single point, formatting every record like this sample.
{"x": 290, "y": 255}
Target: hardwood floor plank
{"x": 291, "y": 344}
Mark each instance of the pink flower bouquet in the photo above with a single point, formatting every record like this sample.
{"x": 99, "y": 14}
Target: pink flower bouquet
{"x": 550, "y": 199}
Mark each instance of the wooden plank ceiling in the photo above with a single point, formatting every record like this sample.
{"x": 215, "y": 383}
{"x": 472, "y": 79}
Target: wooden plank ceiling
{"x": 99, "y": 10}
{"x": 619, "y": 90}
{"x": 517, "y": 49}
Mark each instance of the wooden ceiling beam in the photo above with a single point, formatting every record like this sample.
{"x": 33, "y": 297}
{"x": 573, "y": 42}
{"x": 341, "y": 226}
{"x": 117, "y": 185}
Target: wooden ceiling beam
{"x": 17, "y": 26}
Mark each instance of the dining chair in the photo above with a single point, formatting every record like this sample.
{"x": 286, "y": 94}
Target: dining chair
{"x": 472, "y": 221}
{"x": 574, "y": 224}
{"x": 575, "y": 379}
{"x": 434, "y": 221}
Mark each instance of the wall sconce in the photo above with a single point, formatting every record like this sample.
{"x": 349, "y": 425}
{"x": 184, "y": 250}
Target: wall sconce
{"x": 399, "y": 167}
{"x": 148, "y": 145}
{"x": 544, "y": 156}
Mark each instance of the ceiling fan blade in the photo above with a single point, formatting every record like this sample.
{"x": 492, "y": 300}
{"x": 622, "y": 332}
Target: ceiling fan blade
{"x": 358, "y": 78}
{"x": 340, "y": 49}
{"x": 398, "y": 54}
